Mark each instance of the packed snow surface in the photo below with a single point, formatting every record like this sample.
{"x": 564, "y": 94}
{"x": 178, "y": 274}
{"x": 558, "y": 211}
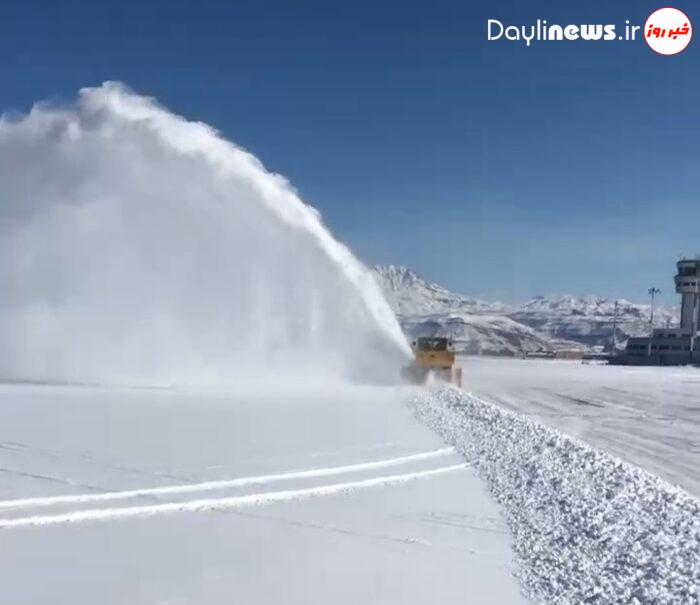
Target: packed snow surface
{"x": 155, "y": 496}
{"x": 139, "y": 247}
{"x": 648, "y": 416}
{"x": 588, "y": 528}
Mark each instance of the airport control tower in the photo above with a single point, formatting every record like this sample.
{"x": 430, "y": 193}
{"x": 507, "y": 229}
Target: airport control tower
{"x": 688, "y": 286}
{"x": 672, "y": 346}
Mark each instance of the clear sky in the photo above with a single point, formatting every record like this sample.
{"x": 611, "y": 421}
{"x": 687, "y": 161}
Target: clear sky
{"x": 499, "y": 170}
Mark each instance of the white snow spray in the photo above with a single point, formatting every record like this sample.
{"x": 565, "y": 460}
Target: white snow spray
{"x": 139, "y": 247}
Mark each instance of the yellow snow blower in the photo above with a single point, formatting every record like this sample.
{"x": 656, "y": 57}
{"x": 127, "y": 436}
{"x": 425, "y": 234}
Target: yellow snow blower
{"x": 434, "y": 357}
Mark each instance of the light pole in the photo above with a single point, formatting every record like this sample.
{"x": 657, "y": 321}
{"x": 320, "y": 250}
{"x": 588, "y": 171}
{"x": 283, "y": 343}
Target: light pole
{"x": 694, "y": 332}
{"x": 613, "y": 345}
{"x": 653, "y": 292}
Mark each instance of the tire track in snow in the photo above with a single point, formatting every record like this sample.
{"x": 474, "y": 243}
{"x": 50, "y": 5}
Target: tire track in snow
{"x": 221, "y": 503}
{"x": 48, "y": 478}
{"x": 16, "y": 447}
{"x": 222, "y": 483}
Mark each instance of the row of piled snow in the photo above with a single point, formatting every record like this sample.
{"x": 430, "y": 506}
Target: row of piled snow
{"x": 587, "y": 527}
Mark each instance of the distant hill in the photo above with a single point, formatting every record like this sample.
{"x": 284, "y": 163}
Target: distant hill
{"x": 425, "y": 308}
{"x": 589, "y": 319}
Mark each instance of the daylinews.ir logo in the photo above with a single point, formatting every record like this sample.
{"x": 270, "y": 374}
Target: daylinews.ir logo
{"x": 667, "y": 31}
{"x": 542, "y": 31}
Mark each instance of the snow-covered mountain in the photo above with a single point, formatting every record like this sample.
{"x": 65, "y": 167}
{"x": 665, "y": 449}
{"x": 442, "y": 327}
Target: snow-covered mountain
{"x": 410, "y": 295}
{"x": 483, "y": 334}
{"x": 541, "y": 324}
{"x": 589, "y": 319}
{"x": 425, "y": 308}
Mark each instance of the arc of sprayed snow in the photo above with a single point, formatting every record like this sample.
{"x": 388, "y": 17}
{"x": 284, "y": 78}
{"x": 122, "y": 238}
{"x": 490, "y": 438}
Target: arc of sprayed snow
{"x": 101, "y": 514}
{"x": 224, "y": 483}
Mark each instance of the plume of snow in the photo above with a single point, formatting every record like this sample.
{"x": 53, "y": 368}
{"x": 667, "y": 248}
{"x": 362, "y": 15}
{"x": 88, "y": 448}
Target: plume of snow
{"x": 137, "y": 246}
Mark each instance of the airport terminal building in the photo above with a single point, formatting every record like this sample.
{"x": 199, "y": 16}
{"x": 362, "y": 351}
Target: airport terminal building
{"x": 672, "y": 346}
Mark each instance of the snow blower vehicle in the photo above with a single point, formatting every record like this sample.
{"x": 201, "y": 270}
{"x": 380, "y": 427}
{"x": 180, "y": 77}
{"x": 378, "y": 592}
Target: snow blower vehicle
{"x": 434, "y": 357}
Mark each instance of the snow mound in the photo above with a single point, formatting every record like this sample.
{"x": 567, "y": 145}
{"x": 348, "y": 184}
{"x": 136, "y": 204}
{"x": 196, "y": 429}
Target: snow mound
{"x": 587, "y": 527}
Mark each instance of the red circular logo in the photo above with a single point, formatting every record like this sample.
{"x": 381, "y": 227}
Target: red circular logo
{"x": 668, "y": 31}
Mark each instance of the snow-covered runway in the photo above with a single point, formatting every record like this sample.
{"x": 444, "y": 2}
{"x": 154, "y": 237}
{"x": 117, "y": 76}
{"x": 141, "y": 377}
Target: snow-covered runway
{"x": 155, "y": 496}
{"x": 648, "y": 416}
{"x": 343, "y": 495}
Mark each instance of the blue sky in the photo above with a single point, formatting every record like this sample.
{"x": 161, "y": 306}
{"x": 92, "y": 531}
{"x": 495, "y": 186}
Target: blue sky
{"x": 498, "y": 170}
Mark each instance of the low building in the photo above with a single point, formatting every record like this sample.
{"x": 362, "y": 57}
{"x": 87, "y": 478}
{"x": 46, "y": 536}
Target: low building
{"x": 569, "y": 354}
{"x": 672, "y": 346}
